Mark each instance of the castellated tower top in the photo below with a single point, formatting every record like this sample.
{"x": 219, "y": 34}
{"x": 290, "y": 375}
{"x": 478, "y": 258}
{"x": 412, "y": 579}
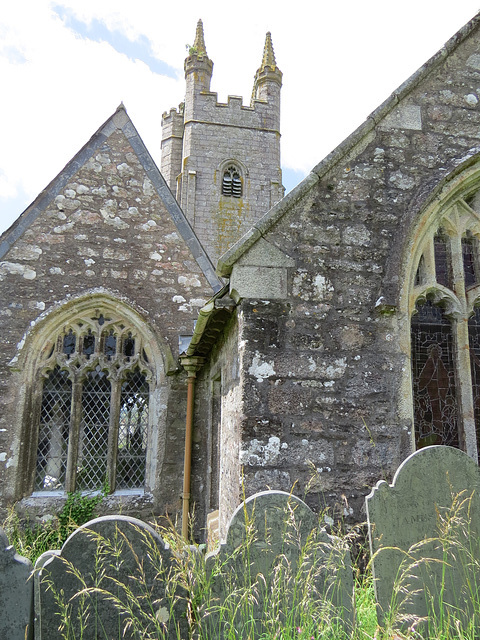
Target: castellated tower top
{"x": 222, "y": 160}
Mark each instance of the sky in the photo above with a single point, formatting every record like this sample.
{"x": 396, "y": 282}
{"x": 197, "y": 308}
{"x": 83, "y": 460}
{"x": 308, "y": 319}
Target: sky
{"x": 66, "y": 65}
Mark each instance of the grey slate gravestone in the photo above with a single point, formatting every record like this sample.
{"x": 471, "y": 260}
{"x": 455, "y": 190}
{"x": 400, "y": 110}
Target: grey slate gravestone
{"x": 16, "y": 593}
{"x": 116, "y": 555}
{"x": 424, "y": 537}
{"x": 277, "y": 563}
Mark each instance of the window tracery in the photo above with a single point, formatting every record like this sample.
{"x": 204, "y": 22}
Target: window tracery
{"x": 94, "y": 416}
{"x": 445, "y": 331}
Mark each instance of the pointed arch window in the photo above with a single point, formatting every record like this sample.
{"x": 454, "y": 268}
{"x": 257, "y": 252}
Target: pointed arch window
{"x": 94, "y": 416}
{"x": 445, "y": 332}
{"x": 232, "y": 185}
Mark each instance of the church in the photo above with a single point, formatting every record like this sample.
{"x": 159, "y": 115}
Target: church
{"x": 184, "y": 336}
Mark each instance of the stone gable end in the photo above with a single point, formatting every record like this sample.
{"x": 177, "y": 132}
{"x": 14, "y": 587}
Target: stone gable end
{"x": 326, "y": 368}
{"x": 106, "y": 229}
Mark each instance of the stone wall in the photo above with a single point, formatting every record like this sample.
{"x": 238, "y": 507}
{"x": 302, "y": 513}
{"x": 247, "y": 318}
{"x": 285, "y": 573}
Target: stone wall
{"x": 326, "y": 374}
{"x": 217, "y": 436}
{"x": 102, "y": 231}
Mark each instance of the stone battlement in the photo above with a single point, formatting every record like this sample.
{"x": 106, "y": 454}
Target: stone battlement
{"x": 261, "y": 115}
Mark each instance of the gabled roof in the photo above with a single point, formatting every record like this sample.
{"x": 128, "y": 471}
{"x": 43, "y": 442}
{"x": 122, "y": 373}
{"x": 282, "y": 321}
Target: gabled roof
{"x": 119, "y": 120}
{"x": 264, "y": 224}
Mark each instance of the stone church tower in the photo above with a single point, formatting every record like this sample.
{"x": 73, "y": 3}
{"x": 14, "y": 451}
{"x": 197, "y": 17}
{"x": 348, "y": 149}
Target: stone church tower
{"x": 223, "y": 160}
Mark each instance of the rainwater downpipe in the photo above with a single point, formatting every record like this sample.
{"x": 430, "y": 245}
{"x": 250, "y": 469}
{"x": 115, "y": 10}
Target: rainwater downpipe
{"x": 191, "y": 365}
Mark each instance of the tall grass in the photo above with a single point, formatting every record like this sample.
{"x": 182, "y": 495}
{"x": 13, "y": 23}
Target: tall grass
{"x": 436, "y": 592}
{"x": 292, "y": 594}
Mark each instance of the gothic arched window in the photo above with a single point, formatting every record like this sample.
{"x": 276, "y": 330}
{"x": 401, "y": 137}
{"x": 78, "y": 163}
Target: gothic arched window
{"x": 445, "y": 331}
{"x": 232, "y": 182}
{"x": 94, "y": 415}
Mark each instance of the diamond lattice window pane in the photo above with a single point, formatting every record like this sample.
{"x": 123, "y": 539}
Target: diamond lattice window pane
{"x": 53, "y": 432}
{"x": 132, "y": 434}
{"x": 93, "y": 446}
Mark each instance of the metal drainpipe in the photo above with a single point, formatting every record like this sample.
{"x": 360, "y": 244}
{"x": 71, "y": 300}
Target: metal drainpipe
{"x": 191, "y": 365}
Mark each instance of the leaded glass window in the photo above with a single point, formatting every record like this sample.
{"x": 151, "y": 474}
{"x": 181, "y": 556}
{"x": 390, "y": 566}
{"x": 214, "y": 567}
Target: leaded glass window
{"x": 110, "y": 346}
{"x": 93, "y": 427}
{"x": 435, "y": 403}
{"x": 445, "y": 332}
{"x": 54, "y": 428}
{"x": 469, "y": 261}
{"x": 132, "y": 433}
{"x": 443, "y": 269}
{"x": 474, "y": 340}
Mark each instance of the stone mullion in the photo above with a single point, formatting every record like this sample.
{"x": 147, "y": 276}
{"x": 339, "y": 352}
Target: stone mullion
{"x": 31, "y": 453}
{"x": 464, "y": 387}
{"x": 429, "y": 262}
{"x": 113, "y": 429}
{"x": 74, "y": 436}
{"x": 468, "y": 438}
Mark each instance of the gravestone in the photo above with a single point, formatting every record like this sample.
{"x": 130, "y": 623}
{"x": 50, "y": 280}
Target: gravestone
{"x": 113, "y": 578}
{"x": 424, "y": 538}
{"x": 16, "y": 593}
{"x": 37, "y": 586}
{"x": 277, "y": 567}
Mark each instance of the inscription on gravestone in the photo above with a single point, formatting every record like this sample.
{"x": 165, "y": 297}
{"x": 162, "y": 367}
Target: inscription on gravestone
{"x": 424, "y": 537}
{"x": 278, "y": 562}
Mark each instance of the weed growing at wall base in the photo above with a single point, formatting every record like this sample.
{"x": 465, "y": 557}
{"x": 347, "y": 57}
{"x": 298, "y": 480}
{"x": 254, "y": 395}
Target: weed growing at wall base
{"x": 32, "y": 539}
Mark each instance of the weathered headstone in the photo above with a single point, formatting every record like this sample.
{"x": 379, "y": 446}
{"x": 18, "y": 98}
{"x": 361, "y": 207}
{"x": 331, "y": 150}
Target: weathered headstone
{"x": 16, "y": 593}
{"x": 113, "y": 578}
{"x": 276, "y": 568}
{"x": 424, "y": 538}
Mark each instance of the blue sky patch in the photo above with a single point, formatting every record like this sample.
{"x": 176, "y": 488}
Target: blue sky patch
{"x": 14, "y": 55}
{"x": 96, "y": 31}
{"x": 291, "y": 177}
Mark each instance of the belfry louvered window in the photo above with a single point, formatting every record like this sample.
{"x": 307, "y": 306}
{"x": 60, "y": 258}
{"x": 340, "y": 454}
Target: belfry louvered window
{"x": 445, "y": 332}
{"x": 94, "y": 414}
{"x": 232, "y": 183}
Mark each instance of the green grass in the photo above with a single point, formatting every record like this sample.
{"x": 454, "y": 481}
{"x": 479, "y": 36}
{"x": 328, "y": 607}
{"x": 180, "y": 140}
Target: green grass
{"x": 279, "y": 605}
{"x": 285, "y": 602}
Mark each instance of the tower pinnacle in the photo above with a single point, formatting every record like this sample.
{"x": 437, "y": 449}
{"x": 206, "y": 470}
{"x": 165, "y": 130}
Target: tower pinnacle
{"x": 199, "y": 44}
{"x": 268, "y": 75}
{"x": 198, "y": 66}
{"x": 268, "y": 54}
